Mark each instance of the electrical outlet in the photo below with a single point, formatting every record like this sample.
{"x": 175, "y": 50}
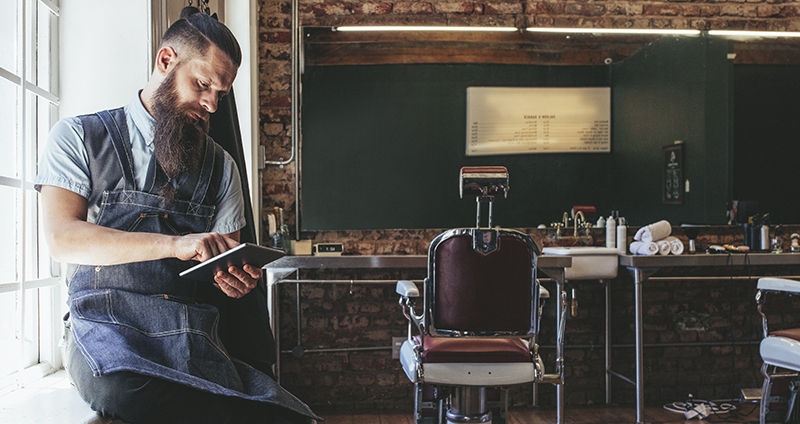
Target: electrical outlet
{"x": 396, "y": 343}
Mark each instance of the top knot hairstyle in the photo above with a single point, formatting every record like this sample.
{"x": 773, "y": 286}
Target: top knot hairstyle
{"x": 194, "y": 33}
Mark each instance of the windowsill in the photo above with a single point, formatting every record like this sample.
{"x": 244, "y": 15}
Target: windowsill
{"x": 48, "y": 400}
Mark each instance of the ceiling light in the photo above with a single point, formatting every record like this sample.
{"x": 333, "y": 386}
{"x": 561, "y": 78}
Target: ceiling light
{"x": 726, "y": 33}
{"x": 616, "y": 31}
{"x": 425, "y": 28}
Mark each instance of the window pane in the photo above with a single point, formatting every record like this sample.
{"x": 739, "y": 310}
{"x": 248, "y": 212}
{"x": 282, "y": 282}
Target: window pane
{"x": 43, "y": 47}
{"x": 9, "y": 346}
{"x": 8, "y": 35}
{"x": 8, "y": 129}
{"x": 30, "y": 40}
{"x": 9, "y": 198}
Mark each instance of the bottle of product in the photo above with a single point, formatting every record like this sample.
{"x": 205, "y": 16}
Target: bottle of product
{"x": 765, "y": 238}
{"x": 611, "y": 231}
{"x": 622, "y": 236}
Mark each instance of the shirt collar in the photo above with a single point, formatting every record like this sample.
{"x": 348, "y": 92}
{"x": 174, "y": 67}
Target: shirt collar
{"x": 142, "y": 119}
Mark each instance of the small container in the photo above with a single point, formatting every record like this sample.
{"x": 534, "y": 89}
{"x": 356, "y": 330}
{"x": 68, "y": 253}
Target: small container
{"x": 622, "y": 236}
{"x": 765, "y": 247}
{"x": 611, "y": 232}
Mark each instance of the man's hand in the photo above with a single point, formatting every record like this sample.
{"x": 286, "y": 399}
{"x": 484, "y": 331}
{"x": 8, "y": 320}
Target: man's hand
{"x": 202, "y": 246}
{"x": 237, "y": 282}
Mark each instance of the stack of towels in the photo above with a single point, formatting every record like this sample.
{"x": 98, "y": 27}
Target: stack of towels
{"x": 655, "y": 239}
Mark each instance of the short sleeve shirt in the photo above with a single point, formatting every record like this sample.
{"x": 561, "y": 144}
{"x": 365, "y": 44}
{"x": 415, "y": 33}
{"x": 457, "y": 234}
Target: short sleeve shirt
{"x": 65, "y": 164}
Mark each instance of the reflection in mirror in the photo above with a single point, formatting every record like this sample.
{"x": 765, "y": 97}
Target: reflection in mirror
{"x": 747, "y": 177}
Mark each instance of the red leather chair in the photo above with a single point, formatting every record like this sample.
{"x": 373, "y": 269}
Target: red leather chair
{"x": 477, "y": 330}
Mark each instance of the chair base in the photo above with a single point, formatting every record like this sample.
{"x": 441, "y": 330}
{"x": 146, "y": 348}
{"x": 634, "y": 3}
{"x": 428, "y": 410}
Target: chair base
{"x": 778, "y": 395}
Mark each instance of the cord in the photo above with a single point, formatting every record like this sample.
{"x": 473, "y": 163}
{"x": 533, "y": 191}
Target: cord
{"x": 700, "y": 408}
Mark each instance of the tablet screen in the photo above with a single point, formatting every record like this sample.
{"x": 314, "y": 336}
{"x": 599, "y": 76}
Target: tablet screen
{"x": 245, "y": 253}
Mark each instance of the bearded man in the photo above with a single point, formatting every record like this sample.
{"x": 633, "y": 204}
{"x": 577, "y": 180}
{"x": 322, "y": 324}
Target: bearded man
{"x": 129, "y": 196}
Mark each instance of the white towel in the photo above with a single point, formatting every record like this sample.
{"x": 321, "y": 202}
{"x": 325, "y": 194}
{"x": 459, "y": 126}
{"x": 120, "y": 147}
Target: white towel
{"x": 644, "y": 248}
{"x": 654, "y": 232}
{"x": 675, "y": 245}
{"x": 663, "y": 247}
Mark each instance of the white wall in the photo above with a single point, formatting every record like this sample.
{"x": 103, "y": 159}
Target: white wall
{"x": 104, "y": 49}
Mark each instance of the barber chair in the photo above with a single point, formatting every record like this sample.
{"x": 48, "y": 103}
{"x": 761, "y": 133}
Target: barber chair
{"x": 780, "y": 353}
{"x": 477, "y": 333}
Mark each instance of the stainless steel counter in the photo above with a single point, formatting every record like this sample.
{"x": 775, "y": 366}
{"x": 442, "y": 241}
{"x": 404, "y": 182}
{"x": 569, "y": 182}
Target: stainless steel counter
{"x": 709, "y": 259}
{"x": 643, "y": 267}
{"x": 546, "y": 262}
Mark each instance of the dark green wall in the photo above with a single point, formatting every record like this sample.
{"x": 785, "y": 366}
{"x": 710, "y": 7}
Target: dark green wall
{"x": 767, "y": 129}
{"x": 674, "y": 89}
{"x": 382, "y": 144}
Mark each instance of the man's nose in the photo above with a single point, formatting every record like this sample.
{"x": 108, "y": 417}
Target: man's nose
{"x": 209, "y": 102}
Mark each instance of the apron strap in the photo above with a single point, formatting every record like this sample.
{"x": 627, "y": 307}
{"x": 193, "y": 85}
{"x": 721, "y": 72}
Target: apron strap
{"x": 123, "y": 149}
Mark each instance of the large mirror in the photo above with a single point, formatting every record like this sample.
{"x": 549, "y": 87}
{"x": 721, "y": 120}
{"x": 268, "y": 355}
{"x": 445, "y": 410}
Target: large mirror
{"x": 383, "y": 126}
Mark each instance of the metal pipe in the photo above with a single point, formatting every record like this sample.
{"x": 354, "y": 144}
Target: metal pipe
{"x": 341, "y": 281}
{"x": 704, "y": 278}
{"x": 342, "y": 349}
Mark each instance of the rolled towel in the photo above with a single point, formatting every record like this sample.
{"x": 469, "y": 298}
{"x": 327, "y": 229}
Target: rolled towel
{"x": 663, "y": 247}
{"x": 654, "y": 232}
{"x": 644, "y": 248}
{"x": 675, "y": 245}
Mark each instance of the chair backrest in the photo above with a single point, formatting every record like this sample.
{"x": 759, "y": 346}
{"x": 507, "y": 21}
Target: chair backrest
{"x": 482, "y": 282}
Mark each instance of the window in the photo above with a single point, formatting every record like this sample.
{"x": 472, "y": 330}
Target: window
{"x": 30, "y": 293}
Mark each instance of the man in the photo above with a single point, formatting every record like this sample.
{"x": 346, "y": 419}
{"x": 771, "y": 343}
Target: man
{"x": 129, "y": 196}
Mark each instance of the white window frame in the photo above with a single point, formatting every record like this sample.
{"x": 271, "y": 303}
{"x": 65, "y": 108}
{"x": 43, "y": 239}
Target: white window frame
{"x": 37, "y": 284}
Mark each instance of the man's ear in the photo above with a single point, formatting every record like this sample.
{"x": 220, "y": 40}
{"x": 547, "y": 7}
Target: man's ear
{"x": 166, "y": 58}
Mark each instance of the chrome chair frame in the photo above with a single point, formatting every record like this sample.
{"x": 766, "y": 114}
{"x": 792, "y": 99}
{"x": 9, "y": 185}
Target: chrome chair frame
{"x": 780, "y": 351}
{"x": 462, "y": 397}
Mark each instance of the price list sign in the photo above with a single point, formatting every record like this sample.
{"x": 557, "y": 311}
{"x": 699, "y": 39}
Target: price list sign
{"x": 513, "y": 120}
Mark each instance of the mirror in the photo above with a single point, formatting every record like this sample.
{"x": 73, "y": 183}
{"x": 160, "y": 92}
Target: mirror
{"x": 395, "y": 171}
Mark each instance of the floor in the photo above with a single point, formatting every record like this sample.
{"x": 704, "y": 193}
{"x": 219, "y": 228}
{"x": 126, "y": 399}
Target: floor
{"x": 52, "y": 400}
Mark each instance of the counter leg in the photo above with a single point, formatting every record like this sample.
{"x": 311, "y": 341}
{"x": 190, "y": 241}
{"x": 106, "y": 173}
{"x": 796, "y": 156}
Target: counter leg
{"x": 639, "y": 278}
{"x": 607, "y": 286}
{"x": 561, "y": 333}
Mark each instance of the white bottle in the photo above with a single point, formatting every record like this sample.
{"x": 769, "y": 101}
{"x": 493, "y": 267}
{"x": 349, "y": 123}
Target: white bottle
{"x": 622, "y": 236}
{"x": 611, "y": 232}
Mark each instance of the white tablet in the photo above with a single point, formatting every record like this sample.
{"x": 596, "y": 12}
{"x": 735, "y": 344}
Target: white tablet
{"x": 245, "y": 253}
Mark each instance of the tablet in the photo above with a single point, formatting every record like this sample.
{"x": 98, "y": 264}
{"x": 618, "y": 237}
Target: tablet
{"x": 245, "y": 253}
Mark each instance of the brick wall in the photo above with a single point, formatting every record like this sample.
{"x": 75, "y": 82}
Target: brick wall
{"x": 716, "y": 319}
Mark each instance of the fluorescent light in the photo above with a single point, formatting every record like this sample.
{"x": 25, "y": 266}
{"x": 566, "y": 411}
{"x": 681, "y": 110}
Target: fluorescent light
{"x": 753, "y": 33}
{"x": 425, "y": 28}
{"x": 616, "y": 31}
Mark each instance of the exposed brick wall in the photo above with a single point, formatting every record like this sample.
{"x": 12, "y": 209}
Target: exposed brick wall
{"x": 717, "y": 317}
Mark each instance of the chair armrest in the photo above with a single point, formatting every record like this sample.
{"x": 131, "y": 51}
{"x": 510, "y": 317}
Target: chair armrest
{"x": 779, "y": 284}
{"x": 407, "y": 288}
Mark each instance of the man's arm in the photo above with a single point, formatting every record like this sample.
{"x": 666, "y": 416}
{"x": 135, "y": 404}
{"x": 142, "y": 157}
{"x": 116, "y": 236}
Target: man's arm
{"x": 72, "y": 239}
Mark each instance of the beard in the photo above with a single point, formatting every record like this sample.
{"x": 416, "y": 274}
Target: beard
{"x": 178, "y": 139}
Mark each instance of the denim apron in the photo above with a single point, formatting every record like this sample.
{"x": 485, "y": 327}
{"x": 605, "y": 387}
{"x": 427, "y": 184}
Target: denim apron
{"x": 142, "y": 317}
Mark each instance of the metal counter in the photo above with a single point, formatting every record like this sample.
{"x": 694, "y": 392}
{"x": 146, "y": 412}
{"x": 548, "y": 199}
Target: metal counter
{"x": 644, "y": 267}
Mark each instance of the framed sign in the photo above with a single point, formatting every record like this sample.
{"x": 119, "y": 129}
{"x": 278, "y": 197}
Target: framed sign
{"x": 672, "y": 181}
{"x": 519, "y": 120}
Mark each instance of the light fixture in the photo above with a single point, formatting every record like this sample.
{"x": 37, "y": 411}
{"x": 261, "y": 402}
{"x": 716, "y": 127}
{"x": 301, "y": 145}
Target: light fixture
{"x": 425, "y": 28}
{"x": 615, "y": 31}
{"x": 753, "y": 34}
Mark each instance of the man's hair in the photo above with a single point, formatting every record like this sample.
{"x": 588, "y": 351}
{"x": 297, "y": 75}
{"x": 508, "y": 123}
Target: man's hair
{"x": 194, "y": 33}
